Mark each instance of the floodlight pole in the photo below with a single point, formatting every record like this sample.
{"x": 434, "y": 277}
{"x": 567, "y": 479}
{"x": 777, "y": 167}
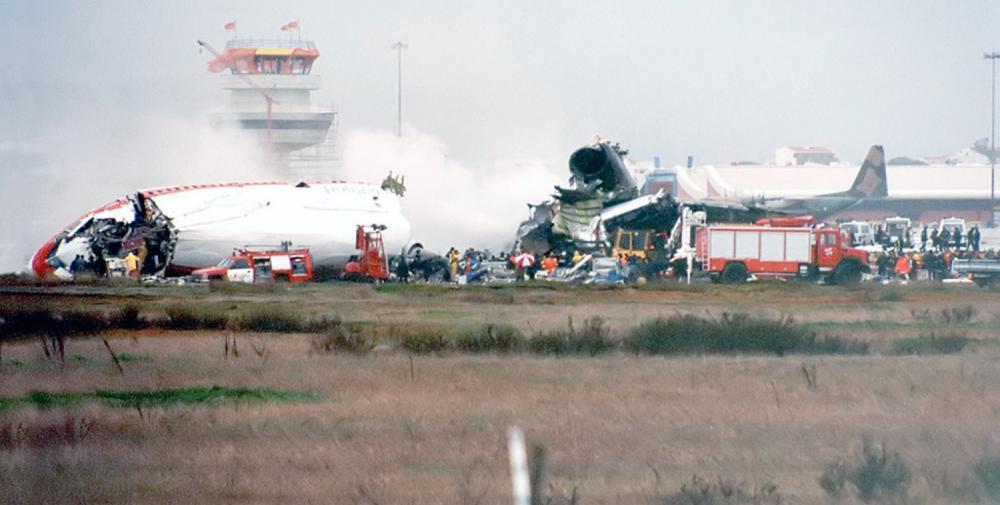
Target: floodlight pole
{"x": 993, "y": 126}
{"x": 399, "y": 46}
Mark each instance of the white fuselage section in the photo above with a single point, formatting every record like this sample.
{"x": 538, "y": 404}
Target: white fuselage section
{"x": 211, "y": 222}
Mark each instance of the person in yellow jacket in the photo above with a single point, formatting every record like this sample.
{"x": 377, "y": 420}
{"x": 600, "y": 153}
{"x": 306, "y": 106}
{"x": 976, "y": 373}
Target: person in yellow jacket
{"x": 453, "y": 264}
{"x": 132, "y": 264}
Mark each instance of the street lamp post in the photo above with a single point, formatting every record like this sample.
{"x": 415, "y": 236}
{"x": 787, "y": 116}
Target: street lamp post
{"x": 993, "y": 126}
{"x": 399, "y": 46}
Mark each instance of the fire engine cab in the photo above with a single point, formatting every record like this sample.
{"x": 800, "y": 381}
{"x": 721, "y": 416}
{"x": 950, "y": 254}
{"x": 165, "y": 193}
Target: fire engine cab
{"x": 779, "y": 248}
{"x": 255, "y": 264}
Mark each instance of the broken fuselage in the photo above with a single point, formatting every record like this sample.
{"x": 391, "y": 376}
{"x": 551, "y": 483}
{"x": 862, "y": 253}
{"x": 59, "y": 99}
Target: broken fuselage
{"x": 176, "y": 230}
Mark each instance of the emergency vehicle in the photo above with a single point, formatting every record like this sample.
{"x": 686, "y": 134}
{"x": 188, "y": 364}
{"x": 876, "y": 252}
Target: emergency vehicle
{"x": 782, "y": 248}
{"x": 256, "y": 264}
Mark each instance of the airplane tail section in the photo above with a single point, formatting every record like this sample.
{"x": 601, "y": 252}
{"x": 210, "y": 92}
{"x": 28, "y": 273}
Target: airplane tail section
{"x": 871, "y": 180}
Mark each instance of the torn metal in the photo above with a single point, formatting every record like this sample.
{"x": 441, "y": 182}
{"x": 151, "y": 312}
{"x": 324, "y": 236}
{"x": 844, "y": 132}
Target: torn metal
{"x": 95, "y": 243}
{"x": 602, "y": 197}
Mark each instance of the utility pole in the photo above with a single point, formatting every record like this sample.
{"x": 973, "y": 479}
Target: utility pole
{"x": 993, "y": 127}
{"x": 399, "y": 46}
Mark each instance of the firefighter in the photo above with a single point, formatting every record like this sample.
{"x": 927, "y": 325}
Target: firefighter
{"x": 903, "y": 267}
{"x": 550, "y": 263}
{"x": 132, "y": 264}
{"x": 453, "y": 264}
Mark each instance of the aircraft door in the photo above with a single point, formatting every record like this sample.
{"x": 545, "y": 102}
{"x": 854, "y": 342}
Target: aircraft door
{"x": 240, "y": 271}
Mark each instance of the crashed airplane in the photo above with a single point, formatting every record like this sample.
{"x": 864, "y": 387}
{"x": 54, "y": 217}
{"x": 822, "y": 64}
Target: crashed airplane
{"x": 176, "y": 230}
{"x": 602, "y": 197}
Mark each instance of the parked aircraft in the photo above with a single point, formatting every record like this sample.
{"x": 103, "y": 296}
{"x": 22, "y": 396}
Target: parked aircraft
{"x": 869, "y": 183}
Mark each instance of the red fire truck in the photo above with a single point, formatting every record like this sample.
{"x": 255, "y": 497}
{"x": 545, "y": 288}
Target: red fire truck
{"x": 732, "y": 253}
{"x": 372, "y": 264}
{"x": 260, "y": 264}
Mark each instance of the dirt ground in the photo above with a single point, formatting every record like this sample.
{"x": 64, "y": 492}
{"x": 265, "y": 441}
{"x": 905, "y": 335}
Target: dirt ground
{"x": 395, "y": 428}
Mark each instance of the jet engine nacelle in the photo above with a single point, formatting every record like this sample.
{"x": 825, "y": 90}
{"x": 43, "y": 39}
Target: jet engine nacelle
{"x": 603, "y": 163}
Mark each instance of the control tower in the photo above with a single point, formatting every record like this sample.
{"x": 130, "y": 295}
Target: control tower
{"x": 271, "y": 99}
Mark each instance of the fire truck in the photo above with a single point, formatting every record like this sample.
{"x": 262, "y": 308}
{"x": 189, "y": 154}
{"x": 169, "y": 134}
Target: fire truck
{"x": 255, "y": 264}
{"x": 778, "y": 248}
{"x": 372, "y": 263}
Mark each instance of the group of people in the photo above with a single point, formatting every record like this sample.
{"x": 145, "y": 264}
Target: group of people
{"x": 931, "y": 239}
{"x": 97, "y": 266}
{"x": 947, "y": 238}
{"x": 906, "y": 266}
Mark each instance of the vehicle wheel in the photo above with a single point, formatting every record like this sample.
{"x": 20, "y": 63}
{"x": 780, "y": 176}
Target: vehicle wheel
{"x": 734, "y": 273}
{"x": 846, "y": 273}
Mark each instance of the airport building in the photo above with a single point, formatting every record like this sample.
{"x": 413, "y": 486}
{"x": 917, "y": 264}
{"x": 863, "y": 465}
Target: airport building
{"x": 269, "y": 83}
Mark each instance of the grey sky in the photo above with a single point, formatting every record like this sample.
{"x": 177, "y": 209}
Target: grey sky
{"x": 720, "y": 80}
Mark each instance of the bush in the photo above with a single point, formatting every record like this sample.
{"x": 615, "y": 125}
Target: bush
{"x": 126, "y": 318}
{"x": 271, "y": 319}
{"x": 733, "y": 333}
{"x": 988, "y": 474}
{"x": 953, "y": 316}
{"x": 184, "y": 317}
{"x": 18, "y": 322}
{"x": 501, "y": 338}
{"x": 343, "y": 337}
{"x": 931, "y": 344}
{"x": 877, "y": 475}
{"x": 701, "y": 491}
{"x": 957, "y": 316}
{"x": 593, "y": 339}
{"x": 424, "y": 341}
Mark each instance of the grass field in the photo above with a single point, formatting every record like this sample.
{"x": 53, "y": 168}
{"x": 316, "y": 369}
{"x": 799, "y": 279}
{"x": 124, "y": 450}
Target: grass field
{"x": 285, "y": 423}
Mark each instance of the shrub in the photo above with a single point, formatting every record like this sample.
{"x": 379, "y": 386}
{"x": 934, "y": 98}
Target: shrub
{"x": 184, "y": 317}
{"x": 126, "y": 318}
{"x": 877, "y": 475}
{"x": 501, "y": 338}
{"x": 701, "y": 491}
{"x": 424, "y": 341}
{"x": 953, "y": 316}
{"x": 957, "y": 316}
{"x": 592, "y": 339}
{"x": 733, "y": 333}
{"x": 891, "y": 295}
{"x": 78, "y": 323}
{"x": 931, "y": 344}
{"x": 987, "y": 472}
{"x": 321, "y": 325}
{"x": 21, "y": 322}
{"x": 271, "y": 319}
{"x": 343, "y": 337}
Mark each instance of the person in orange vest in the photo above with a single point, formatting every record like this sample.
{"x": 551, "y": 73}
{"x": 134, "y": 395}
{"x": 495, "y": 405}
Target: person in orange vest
{"x": 903, "y": 267}
{"x": 550, "y": 263}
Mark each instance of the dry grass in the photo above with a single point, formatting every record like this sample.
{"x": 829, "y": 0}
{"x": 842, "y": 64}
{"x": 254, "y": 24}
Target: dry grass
{"x": 617, "y": 429}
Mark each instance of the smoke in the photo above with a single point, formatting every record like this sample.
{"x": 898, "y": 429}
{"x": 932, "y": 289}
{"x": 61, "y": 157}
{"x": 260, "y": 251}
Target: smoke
{"x": 448, "y": 203}
{"x": 49, "y": 182}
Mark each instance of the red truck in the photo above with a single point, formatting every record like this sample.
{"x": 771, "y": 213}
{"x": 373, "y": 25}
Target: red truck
{"x": 731, "y": 253}
{"x": 260, "y": 265}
